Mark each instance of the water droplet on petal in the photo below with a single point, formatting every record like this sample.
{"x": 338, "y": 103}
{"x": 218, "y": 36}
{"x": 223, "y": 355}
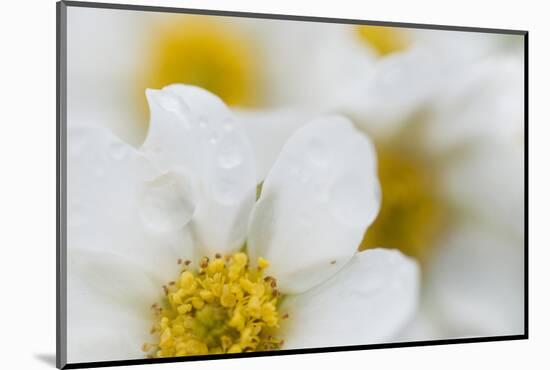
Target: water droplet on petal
{"x": 229, "y": 158}
{"x": 228, "y": 126}
{"x": 202, "y": 122}
{"x": 167, "y": 202}
{"x": 172, "y": 103}
{"x": 230, "y": 152}
{"x": 214, "y": 138}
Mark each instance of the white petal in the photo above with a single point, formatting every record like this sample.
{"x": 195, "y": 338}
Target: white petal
{"x": 108, "y": 306}
{"x": 117, "y": 202}
{"x": 485, "y": 100}
{"x": 105, "y": 51}
{"x": 268, "y": 131}
{"x": 487, "y": 182}
{"x": 400, "y": 86}
{"x": 310, "y": 64}
{"x": 368, "y": 301}
{"x": 426, "y": 323}
{"x": 194, "y": 130}
{"x": 477, "y": 283}
{"x": 316, "y": 203}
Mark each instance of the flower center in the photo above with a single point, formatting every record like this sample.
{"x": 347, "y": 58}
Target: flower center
{"x": 384, "y": 40}
{"x": 223, "y": 307}
{"x": 205, "y": 53}
{"x": 412, "y": 213}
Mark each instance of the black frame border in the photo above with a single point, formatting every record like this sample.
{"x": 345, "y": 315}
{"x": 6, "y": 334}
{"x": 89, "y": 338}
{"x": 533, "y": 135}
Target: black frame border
{"x": 61, "y": 167}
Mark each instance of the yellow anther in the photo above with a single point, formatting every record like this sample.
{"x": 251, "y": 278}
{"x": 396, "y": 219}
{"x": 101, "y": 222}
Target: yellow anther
{"x": 174, "y": 298}
{"x": 165, "y": 337}
{"x": 269, "y": 314}
{"x": 226, "y": 341}
{"x": 237, "y": 321}
{"x": 258, "y": 290}
{"x": 228, "y": 299}
{"x": 222, "y": 308}
{"x": 246, "y": 284}
{"x": 254, "y": 307}
{"x": 184, "y": 308}
{"x": 263, "y": 263}
{"x": 187, "y": 281}
{"x": 197, "y": 302}
{"x": 384, "y": 40}
{"x": 207, "y": 296}
{"x": 215, "y": 266}
{"x": 240, "y": 259}
{"x": 235, "y": 348}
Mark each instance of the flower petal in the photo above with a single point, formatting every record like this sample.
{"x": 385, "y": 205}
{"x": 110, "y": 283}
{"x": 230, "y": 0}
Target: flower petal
{"x": 484, "y": 101}
{"x": 117, "y": 202}
{"x": 108, "y": 306}
{"x": 316, "y": 203}
{"x": 268, "y": 131}
{"x": 400, "y": 86}
{"x": 192, "y": 129}
{"x": 369, "y": 301}
{"x": 104, "y": 52}
{"x": 487, "y": 183}
{"x": 478, "y": 283}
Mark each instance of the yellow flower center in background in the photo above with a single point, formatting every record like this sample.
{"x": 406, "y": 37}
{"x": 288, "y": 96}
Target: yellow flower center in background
{"x": 203, "y": 52}
{"x": 223, "y": 307}
{"x": 412, "y": 216}
{"x": 384, "y": 40}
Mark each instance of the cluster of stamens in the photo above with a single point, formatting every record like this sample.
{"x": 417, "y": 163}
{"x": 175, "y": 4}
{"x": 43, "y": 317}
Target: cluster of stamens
{"x": 224, "y": 306}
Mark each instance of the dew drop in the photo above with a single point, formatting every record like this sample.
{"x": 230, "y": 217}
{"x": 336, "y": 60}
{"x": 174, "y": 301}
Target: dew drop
{"x": 172, "y": 103}
{"x": 229, "y": 158}
{"x": 228, "y": 126}
{"x": 214, "y": 138}
{"x": 202, "y": 122}
{"x": 167, "y": 202}
{"x": 230, "y": 153}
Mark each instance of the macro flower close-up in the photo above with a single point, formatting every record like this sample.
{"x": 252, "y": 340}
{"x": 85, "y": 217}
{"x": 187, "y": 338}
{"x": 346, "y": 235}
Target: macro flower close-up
{"x": 196, "y": 257}
{"x": 248, "y": 184}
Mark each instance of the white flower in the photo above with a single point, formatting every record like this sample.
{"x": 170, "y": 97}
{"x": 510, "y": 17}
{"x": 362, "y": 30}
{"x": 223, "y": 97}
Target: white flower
{"x": 455, "y": 150}
{"x": 381, "y": 75}
{"x": 190, "y": 191}
{"x": 114, "y": 56}
{"x": 475, "y": 282}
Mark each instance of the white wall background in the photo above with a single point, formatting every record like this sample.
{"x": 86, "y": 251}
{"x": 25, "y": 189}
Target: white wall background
{"x": 27, "y": 182}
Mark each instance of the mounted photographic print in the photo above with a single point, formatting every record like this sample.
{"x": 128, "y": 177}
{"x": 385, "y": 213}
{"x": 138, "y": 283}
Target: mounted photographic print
{"x": 238, "y": 184}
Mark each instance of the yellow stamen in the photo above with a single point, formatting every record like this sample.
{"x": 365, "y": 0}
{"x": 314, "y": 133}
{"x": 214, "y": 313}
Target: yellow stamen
{"x": 224, "y": 307}
{"x": 205, "y": 52}
{"x": 384, "y": 40}
{"x": 412, "y": 216}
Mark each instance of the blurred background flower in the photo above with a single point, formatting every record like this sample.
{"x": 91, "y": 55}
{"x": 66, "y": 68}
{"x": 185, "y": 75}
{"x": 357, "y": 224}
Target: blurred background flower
{"x": 445, "y": 109}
